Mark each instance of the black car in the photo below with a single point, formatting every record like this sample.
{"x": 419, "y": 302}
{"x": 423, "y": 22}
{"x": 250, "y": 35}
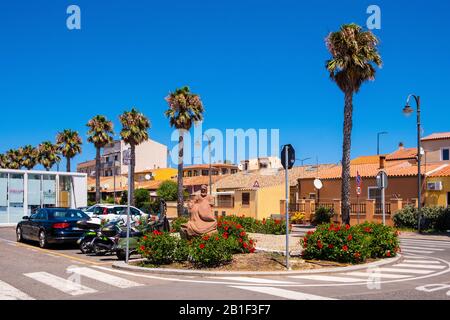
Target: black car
{"x": 51, "y": 225}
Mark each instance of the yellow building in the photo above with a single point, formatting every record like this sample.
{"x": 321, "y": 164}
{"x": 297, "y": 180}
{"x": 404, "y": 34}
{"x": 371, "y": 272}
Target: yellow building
{"x": 438, "y": 187}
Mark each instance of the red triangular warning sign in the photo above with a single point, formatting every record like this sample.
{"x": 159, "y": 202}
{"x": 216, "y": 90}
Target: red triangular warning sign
{"x": 256, "y": 184}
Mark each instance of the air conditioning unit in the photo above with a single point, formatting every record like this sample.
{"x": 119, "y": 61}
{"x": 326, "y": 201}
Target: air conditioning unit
{"x": 434, "y": 186}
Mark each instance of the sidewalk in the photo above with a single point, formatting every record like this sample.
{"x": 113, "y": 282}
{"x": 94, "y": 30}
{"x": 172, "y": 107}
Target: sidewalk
{"x": 424, "y": 236}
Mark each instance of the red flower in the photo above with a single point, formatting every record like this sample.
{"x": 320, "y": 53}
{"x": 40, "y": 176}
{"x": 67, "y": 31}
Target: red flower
{"x": 225, "y": 235}
{"x": 245, "y": 245}
{"x": 319, "y": 245}
{"x": 206, "y": 238}
{"x": 347, "y": 226}
{"x": 145, "y": 237}
{"x": 226, "y": 228}
{"x": 142, "y": 248}
{"x": 357, "y": 255}
{"x": 242, "y": 233}
{"x": 277, "y": 221}
{"x": 367, "y": 229}
{"x": 202, "y": 246}
{"x": 309, "y": 233}
{"x": 330, "y": 246}
{"x": 217, "y": 238}
{"x": 240, "y": 240}
{"x": 350, "y": 237}
{"x": 239, "y": 226}
{"x": 345, "y": 248}
{"x": 388, "y": 253}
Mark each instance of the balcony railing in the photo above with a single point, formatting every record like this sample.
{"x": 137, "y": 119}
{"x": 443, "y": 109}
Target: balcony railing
{"x": 356, "y": 208}
{"x": 379, "y": 208}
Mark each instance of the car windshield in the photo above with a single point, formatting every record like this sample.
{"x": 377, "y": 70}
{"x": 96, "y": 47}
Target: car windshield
{"x": 90, "y": 209}
{"x": 67, "y": 214}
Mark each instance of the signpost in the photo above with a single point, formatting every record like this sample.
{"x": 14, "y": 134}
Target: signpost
{"x": 127, "y": 162}
{"x": 358, "y": 193}
{"x": 287, "y": 161}
{"x": 382, "y": 183}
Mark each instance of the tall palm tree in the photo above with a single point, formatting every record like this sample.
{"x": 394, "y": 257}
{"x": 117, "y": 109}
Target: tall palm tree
{"x": 48, "y": 154}
{"x": 100, "y": 134}
{"x": 185, "y": 108}
{"x": 135, "y": 127}
{"x": 69, "y": 143}
{"x": 30, "y": 156}
{"x": 14, "y": 159}
{"x": 354, "y": 55}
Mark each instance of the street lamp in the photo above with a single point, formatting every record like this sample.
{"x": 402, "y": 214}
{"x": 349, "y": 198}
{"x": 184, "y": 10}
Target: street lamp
{"x": 302, "y": 160}
{"x": 378, "y": 141}
{"x": 208, "y": 138}
{"x": 407, "y": 110}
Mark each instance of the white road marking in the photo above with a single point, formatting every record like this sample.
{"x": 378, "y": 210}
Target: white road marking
{"x": 421, "y": 261}
{"x": 420, "y": 266}
{"x": 327, "y": 278}
{"x": 416, "y": 251}
{"x": 283, "y": 293}
{"x": 423, "y": 248}
{"x": 8, "y": 292}
{"x": 377, "y": 275}
{"x": 400, "y": 270}
{"x": 61, "y": 284}
{"x": 253, "y": 280}
{"x": 104, "y": 277}
{"x": 426, "y": 242}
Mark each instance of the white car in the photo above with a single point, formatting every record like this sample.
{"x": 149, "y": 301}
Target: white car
{"x": 111, "y": 212}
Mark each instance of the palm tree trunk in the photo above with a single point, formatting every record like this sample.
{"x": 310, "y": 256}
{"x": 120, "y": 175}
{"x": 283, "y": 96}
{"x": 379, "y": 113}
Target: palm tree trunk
{"x": 133, "y": 163}
{"x": 97, "y": 176}
{"x": 180, "y": 204}
{"x": 346, "y": 146}
{"x": 68, "y": 165}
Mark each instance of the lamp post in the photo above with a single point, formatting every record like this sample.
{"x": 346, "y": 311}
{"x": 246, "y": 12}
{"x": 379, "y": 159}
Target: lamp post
{"x": 198, "y": 143}
{"x": 378, "y": 141}
{"x": 407, "y": 110}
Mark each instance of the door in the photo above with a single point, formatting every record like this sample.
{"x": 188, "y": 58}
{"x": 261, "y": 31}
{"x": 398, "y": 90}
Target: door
{"x": 448, "y": 199}
{"x": 36, "y": 224}
{"x": 26, "y": 226}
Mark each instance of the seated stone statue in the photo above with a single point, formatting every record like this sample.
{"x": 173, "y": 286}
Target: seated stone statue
{"x": 201, "y": 218}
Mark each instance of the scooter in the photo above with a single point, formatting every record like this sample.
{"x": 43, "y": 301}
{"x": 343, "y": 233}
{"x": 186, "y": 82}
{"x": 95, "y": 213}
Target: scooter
{"x": 92, "y": 227}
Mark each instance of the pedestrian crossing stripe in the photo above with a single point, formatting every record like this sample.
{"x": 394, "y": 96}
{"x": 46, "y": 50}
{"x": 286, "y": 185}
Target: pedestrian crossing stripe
{"x": 377, "y": 275}
{"x": 283, "y": 293}
{"x": 8, "y": 292}
{"x": 104, "y": 277}
{"x": 407, "y": 270}
{"x": 420, "y": 266}
{"x": 328, "y": 278}
{"x": 422, "y": 248}
{"x": 69, "y": 287}
{"x": 253, "y": 280}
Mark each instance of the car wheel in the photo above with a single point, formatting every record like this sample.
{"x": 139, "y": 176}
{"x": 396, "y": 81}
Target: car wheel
{"x": 42, "y": 239}
{"x": 19, "y": 236}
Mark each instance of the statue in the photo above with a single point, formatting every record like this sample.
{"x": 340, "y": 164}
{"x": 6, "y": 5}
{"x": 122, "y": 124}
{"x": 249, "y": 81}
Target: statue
{"x": 201, "y": 218}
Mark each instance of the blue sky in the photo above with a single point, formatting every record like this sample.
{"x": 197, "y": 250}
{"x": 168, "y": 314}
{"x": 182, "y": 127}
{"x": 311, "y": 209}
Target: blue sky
{"x": 256, "y": 64}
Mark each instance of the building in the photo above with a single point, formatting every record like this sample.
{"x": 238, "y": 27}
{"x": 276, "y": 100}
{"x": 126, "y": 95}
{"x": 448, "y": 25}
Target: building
{"x": 149, "y": 155}
{"x": 217, "y": 169}
{"x": 261, "y": 163}
{"x": 438, "y": 187}
{"x": 22, "y": 192}
{"x": 437, "y": 147}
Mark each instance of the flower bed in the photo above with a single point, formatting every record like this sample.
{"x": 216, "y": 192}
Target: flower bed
{"x": 353, "y": 244}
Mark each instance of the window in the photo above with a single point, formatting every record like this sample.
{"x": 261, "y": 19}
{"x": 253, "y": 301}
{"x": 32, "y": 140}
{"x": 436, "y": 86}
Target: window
{"x": 375, "y": 194}
{"x": 446, "y": 154}
{"x": 312, "y": 196}
{"x": 205, "y": 172}
{"x": 225, "y": 201}
{"x": 245, "y": 199}
{"x": 233, "y": 171}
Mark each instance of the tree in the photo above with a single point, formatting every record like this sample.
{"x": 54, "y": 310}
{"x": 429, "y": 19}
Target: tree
{"x": 185, "y": 108}
{"x": 30, "y": 157}
{"x": 100, "y": 134}
{"x": 354, "y": 55}
{"x": 48, "y": 154}
{"x": 135, "y": 127}
{"x": 3, "y": 161}
{"x": 69, "y": 143}
{"x": 141, "y": 197}
{"x": 168, "y": 190}
{"x": 14, "y": 159}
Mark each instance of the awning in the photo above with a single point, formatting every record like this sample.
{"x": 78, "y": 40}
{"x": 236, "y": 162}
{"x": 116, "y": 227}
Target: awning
{"x": 223, "y": 193}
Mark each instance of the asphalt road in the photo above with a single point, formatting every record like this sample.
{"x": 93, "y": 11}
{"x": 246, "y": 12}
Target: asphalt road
{"x": 28, "y": 272}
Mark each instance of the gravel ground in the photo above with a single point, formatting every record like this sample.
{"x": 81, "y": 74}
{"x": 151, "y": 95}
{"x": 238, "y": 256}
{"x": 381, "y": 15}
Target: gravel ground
{"x": 276, "y": 242}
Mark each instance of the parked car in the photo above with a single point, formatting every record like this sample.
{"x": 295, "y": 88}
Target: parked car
{"x": 51, "y": 225}
{"x": 111, "y": 212}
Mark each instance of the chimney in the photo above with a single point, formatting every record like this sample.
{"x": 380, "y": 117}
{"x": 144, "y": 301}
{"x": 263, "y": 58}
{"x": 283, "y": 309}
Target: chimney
{"x": 382, "y": 161}
{"x": 401, "y": 146}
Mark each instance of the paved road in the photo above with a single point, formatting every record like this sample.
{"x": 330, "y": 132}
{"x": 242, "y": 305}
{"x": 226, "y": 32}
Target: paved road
{"x": 28, "y": 272}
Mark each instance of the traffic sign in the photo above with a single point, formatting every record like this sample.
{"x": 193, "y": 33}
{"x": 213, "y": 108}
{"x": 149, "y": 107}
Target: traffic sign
{"x": 256, "y": 184}
{"x": 318, "y": 184}
{"x": 358, "y": 191}
{"x": 358, "y": 183}
{"x": 382, "y": 180}
{"x": 290, "y": 156}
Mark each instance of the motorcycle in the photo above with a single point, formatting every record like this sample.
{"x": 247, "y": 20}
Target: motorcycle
{"x": 92, "y": 227}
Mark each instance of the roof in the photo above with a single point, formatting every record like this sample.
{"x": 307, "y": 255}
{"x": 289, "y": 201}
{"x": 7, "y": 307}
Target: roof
{"x": 86, "y": 164}
{"x": 394, "y": 169}
{"x": 402, "y": 154}
{"x": 213, "y": 165}
{"x": 266, "y": 178}
{"x": 199, "y": 180}
{"x": 366, "y": 160}
{"x": 443, "y": 171}
{"x": 437, "y": 136}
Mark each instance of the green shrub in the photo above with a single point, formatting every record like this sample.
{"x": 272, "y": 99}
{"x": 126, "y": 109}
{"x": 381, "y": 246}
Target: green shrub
{"x": 238, "y": 240}
{"x": 158, "y": 247}
{"x": 433, "y": 218}
{"x": 350, "y": 244}
{"x": 265, "y": 226}
{"x": 141, "y": 197}
{"x": 443, "y": 221}
{"x": 322, "y": 215}
{"x": 406, "y": 218}
{"x": 210, "y": 251}
{"x": 177, "y": 222}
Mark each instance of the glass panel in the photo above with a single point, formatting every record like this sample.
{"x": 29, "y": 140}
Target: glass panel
{"x": 34, "y": 192}
{"x": 65, "y": 186}
{"x": 4, "y": 198}
{"x": 16, "y": 198}
{"x": 49, "y": 191}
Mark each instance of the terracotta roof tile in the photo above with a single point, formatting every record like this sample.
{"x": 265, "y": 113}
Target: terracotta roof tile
{"x": 437, "y": 136}
{"x": 441, "y": 172}
{"x": 402, "y": 154}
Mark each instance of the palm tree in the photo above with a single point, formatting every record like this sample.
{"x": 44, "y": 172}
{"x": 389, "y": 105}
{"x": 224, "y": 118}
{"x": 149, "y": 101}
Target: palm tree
{"x": 135, "y": 127}
{"x": 354, "y": 55}
{"x": 100, "y": 133}
{"x": 3, "y": 161}
{"x": 185, "y": 108}
{"x": 14, "y": 159}
{"x": 69, "y": 143}
{"x": 48, "y": 154}
{"x": 30, "y": 157}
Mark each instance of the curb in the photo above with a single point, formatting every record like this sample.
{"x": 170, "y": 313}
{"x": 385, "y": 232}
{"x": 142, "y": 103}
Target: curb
{"x": 123, "y": 266}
